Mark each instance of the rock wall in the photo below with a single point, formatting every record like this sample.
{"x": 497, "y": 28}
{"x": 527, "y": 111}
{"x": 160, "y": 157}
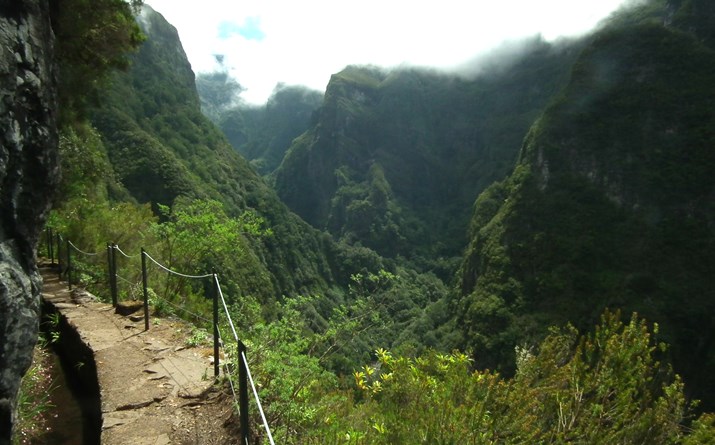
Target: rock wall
{"x": 28, "y": 173}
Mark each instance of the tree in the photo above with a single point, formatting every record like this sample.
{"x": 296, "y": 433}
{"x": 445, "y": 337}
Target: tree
{"x": 601, "y": 388}
{"x": 94, "y": 37}
{"x": 197, "y": 237}
{"x": 218, "y": 92}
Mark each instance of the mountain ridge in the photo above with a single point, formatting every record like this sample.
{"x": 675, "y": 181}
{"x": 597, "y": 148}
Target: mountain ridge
{"x": 162, "y": 147}
{"x": 437, "y": 139}
{"x": 610, "y": 205}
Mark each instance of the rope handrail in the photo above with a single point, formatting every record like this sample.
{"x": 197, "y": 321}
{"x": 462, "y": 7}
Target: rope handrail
{"x": 122, "y": 252}
{"x": 258, "y": 400}
{"x": 175, "y": 272}
{"x": 244, "y": 374}
{"x": 80, "y": 250}
{"x": 225, "y": 308}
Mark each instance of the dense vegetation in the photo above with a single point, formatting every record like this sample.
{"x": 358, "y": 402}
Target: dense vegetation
{"x": 395, "y": 159}
{"x": 149, "y": 156}
{"x": 161, "y": 147}
{"x": 609, "y": 205}
{"x": 261, "y": 134}
{"x": 88, "y": 50}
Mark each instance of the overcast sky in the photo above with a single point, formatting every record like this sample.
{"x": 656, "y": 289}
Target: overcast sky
{"x": 305, "y": 41}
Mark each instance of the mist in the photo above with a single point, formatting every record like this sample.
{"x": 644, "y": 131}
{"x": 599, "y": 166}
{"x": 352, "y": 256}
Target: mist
{"x": 304, "y": 43}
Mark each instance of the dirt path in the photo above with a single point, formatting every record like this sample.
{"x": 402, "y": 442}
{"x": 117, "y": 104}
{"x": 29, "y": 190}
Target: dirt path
{"x": 154, "y": 390}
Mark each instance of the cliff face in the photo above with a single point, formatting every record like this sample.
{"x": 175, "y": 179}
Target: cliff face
{"x": 395, "y": 160}
{"x": 610, "y": 206}
{"x": 28, "y": 171}
{"x": 161, "y": 147}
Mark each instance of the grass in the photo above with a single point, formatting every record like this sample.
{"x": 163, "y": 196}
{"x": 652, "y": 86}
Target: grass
{"x": 34, "y": 398}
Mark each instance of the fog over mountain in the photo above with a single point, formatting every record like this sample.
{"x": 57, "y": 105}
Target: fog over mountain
{"x": 303, "y": 43}
{"x": 436, "y": 244}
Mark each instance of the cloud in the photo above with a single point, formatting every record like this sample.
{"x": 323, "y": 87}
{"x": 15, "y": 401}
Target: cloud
{"x": 249, "y": 30}
{"x": 270, "y": 41}
{"x": 227, "y": 29}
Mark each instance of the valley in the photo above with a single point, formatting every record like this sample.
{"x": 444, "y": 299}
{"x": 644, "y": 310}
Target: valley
{"x": 524, "y": 254}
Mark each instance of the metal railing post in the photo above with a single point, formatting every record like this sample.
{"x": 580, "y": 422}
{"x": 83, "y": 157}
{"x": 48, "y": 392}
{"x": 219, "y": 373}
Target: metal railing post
{"x": 109, "y": 270}
{"x": 59, "y": 256}
{"x": 113, "y": 278}
{"x": 215, "y": 323}
{"x": 50, "y": 247}
{"x": 69, "y": 263}
{"x": 146, "y": 291}
{"x": 243, "y": 393}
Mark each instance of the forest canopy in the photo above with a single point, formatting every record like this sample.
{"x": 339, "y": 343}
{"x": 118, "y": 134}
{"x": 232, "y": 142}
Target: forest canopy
{"x": 94, "y": 38}
{"x": 366, "y": 328}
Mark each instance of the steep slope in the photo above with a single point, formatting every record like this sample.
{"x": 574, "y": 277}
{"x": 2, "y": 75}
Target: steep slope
{"x": 163, "y": 150}
{"x": 611, "y": 204}
{"x": 162, "y": 147}
{"x": 263, "y": 134}
{"x": 394, "y": 160}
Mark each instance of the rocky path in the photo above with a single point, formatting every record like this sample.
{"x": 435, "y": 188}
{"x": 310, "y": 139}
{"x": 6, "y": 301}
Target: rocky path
{"x": 154, "y": 390}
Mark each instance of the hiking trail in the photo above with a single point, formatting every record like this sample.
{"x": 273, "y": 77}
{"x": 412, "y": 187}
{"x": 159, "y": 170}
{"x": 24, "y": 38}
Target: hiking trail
{"x": 154, "y": 389}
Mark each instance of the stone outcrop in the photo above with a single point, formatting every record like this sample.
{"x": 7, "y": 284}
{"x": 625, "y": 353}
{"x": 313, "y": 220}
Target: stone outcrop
{"x": 28, "y": 173}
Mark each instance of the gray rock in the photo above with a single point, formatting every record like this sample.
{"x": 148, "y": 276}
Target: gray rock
{"x": 28, "y": 172}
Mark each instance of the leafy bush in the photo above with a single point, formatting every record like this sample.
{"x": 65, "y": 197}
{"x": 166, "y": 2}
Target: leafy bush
{"x": 601, "y": 388}
{"x": 93, "y": 39}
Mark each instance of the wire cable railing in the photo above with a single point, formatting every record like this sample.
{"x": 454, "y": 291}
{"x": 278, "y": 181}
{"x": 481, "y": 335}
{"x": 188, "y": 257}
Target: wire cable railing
{"x": 225, "y": 307}
{"x": 54, "y": 240}
{"x": 258, "y": 400}
{"x": 173, "y": 272}
{"x": 134, "y": 286}
{"x": 129, "y": 282}
{"x": 82, "y": 251}
{"x": 227, "y": 373}
{"x": 196, "y": 316}
{"x": 243, "y": 368}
